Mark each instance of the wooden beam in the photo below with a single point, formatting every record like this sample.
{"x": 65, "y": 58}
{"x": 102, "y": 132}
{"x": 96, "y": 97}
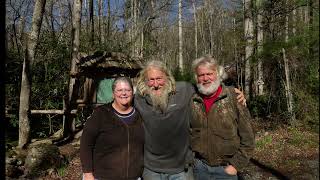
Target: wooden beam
{"x": 52, "y": 111}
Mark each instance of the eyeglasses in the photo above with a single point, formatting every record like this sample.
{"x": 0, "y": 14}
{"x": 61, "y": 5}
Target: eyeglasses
{"x": 118, "y": 91}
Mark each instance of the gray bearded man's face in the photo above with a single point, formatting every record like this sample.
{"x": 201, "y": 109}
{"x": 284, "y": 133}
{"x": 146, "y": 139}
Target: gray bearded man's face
{"x": 159, "y": 100}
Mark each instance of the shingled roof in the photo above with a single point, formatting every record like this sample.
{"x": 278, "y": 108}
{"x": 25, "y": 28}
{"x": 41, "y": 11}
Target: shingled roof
{"x": 108, "y": 64}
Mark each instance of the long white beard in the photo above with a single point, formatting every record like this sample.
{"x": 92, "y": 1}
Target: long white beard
{"x": 160, "y": 102}
{"x": 207, "y": 91}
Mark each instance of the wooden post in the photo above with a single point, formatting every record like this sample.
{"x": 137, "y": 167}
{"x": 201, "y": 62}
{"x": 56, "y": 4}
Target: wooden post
{"x": 50, "y": 124}
{"x": 65, "y": 128}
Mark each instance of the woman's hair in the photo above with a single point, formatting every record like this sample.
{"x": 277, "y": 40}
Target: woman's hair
{"x": 121, "y": 79}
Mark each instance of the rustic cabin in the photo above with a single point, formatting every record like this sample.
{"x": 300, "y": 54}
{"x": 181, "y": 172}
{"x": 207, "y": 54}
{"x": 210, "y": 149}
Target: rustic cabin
{"x": 96, "y": 73}
{"x": 91, "y": 82}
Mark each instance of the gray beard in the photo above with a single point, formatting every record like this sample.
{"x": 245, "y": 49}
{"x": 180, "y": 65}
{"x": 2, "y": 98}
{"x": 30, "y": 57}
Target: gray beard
{"x": 209, "y": 90}
{"x": 160, "y": 102}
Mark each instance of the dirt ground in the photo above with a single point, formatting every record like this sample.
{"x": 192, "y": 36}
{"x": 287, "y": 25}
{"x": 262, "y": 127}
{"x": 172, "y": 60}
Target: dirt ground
{"x": 281, "y": 152}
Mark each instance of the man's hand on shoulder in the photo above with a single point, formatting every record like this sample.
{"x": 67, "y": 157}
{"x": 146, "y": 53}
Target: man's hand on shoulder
{"x": 240, "y": 97}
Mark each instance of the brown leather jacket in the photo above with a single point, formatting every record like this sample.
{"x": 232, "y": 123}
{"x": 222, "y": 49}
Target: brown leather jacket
{"x": 224, "y": 135}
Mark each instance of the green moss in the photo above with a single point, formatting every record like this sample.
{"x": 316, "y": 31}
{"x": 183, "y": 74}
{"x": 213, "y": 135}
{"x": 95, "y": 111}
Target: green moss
{"x": 301, "y": 138}
{"x": 262, "y": 143}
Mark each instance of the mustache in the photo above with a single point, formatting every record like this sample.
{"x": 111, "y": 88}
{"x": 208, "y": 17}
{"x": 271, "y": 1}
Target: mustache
{"x": 155, "y": 88}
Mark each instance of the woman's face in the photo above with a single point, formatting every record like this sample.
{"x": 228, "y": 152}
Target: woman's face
{"x": 123, "y": 94}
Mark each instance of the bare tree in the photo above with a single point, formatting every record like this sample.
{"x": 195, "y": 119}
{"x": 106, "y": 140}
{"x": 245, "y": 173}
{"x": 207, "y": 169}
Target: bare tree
{"x": 260, "y": 83}
{"x": 195, "y": 27}
{"x": 49, "y": 18}
{"x": 109, "y": 20}
{"x": 287, "y": 83}
{"x": 26, "y": 80}
{"x": 91, "y": 8}
{"x": 248, "y": 30}
{"x": 180, "y": 38}
{"x": 69, "y": 122}
{"x": 100, "y": 21}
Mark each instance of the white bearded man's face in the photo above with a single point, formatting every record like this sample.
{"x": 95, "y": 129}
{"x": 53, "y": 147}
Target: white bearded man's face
{"x": 207, "y": 80}
{"x": 158, "y": 88}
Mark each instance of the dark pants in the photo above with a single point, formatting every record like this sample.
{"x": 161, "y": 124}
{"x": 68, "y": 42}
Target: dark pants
{"x": 202, "y": 171}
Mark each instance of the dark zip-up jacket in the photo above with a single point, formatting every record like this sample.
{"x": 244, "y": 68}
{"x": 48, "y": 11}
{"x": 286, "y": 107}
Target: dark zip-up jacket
{"x": 224, "y": 135}
{"x": 110, "y": 148}
{"x": 167, "y": 135}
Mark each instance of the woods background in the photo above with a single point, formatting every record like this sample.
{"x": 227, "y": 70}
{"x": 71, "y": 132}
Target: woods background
{"x": 272, "y": 46}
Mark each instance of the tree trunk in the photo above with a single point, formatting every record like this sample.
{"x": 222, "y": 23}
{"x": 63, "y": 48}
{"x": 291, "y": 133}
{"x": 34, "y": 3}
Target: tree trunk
{"x": 109, "y": 20}
{"x": 248, "y": 30}
{"x": 21, "y": 29}
{"x": 211, "y": 35}
{"x": 288, "y": 88}
{"x": 287, "y": 75}
{"x": 310, "y": 26}
{"x": 100, "y": 21}
{"x": 131, "y": 28}
{"x": 180, "y": 38}
{"x": 221, "y": 37}
{"x": 260, "y": 83}
{"x": 134, "y": 28}
{"x": 135, "y": 17}
{"x": 294, "y": 21}
{"x": 87, "y": 10}
{"x": 69, "y": 125}
{"x": 15, "y": 37}
{"x": 201, "y": 33}
{"x": 141, "y": 43}
{"x": 91, "y": 23}
{"x": 61, "y": 26}
{"x": 26, "y": 79}
{"x": 52, "y": 19}
{"x": 195, "y": 27}
{"x": 235, "y": 54}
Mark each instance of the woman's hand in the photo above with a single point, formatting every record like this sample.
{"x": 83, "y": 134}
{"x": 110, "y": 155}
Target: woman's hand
{"x": 88, "y": 176}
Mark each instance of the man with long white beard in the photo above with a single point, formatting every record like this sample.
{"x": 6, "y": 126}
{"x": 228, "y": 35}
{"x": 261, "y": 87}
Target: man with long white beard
{"x": 165, "y": 107}
{"x": 166, "y": 112}
{"x": 222, "y": 137}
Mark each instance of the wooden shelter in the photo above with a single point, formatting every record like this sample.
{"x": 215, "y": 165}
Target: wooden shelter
{"x": 93, "y": 69}
{"x": 86, "y": 80}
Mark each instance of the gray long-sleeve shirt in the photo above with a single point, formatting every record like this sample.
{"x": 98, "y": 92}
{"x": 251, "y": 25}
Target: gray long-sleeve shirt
{"x": 167, "y": 139}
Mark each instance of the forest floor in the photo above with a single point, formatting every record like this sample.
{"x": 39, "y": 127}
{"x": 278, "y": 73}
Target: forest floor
{"x": 281, "y": 152}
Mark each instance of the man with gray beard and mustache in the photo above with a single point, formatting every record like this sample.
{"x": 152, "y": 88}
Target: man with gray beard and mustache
{"x": 222, "y": 137}
{"x": 165, "y": 107}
